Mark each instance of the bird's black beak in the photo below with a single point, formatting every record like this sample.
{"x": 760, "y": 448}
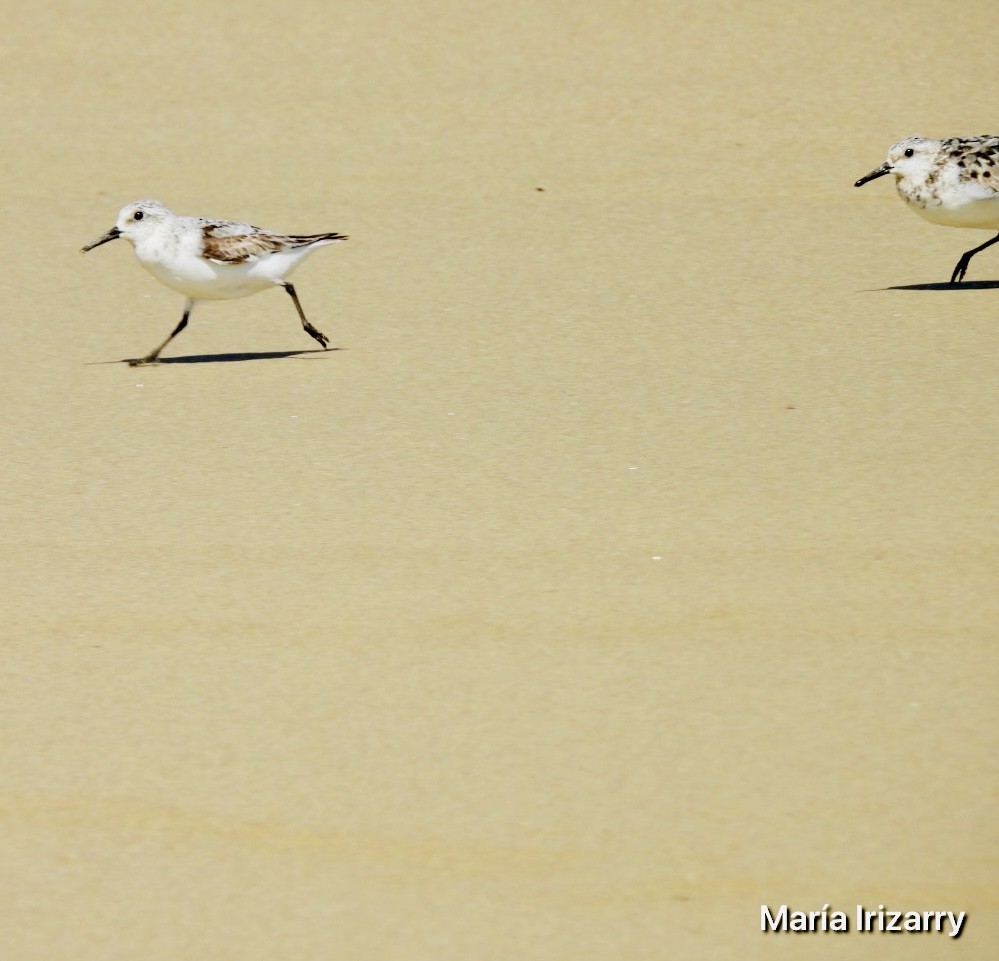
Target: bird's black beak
{"x": 873, "y": 175}
{"x": 113, "y": 234}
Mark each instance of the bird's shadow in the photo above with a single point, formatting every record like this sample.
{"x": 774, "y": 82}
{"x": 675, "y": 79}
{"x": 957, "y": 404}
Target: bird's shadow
{"x": 226, "y": 358}
{"x": 964, "y": 285}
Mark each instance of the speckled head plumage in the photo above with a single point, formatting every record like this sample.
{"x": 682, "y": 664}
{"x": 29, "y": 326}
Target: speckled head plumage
{"x": 921, "y": 160}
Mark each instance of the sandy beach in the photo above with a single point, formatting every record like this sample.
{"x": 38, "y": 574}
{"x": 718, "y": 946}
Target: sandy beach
{"x": 630, "y": 565}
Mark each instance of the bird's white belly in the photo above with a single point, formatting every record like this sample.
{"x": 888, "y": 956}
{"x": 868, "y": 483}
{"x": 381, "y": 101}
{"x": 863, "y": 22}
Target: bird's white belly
{"x": 980, "y": 215}
{"x": 201, "y": 279}
{"x": 967, "y": 206}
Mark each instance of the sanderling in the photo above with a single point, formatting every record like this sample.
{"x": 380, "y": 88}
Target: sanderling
{"x": 953, "y": 182}
{"x": 211, "y": 259}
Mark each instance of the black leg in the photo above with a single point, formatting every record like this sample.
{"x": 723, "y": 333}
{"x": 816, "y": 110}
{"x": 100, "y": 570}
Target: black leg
{"x": 309, "y": 329}
{"x": 151, "y": 358}
{"x": 962, "y": 265}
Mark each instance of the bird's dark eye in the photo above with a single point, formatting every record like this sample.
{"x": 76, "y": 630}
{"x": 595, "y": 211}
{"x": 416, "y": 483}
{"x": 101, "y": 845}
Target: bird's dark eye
{"x": 908, "y": 152}
{"x": 137, "y": 215}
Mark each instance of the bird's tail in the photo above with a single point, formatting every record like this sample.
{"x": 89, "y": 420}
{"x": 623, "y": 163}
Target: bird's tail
{"x": 305, "y": 241}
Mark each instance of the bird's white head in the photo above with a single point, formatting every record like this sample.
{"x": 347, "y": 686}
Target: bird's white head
{"x": 135, "y": 221}
{"x": 912, "y": 158}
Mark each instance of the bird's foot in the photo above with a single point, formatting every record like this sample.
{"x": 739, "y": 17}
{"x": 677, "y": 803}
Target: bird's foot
{"x": 318, "y": 335}
{"x": 960, "y": 270}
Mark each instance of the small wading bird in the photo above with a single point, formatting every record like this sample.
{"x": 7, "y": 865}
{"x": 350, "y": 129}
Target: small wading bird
{"x": 952, "y": 182}
{"x": 212, "y": 259}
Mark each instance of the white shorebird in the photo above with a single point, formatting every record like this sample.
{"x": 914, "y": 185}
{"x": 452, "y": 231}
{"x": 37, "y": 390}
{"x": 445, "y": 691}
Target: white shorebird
{"x": 211, "y": 259}
{"x": 953, "y": 182}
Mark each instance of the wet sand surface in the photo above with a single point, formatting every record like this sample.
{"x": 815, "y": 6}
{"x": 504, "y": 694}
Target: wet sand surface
{"x": 632, "y": 563}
